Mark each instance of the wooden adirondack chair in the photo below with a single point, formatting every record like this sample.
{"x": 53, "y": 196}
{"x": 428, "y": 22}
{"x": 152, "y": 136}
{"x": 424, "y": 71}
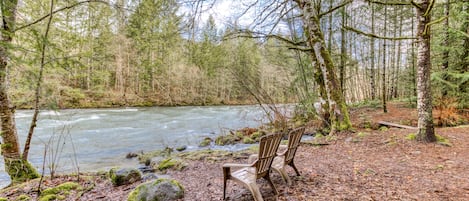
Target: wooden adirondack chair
{"x": 260, "y": 168}
{"x": 285, "y": 157}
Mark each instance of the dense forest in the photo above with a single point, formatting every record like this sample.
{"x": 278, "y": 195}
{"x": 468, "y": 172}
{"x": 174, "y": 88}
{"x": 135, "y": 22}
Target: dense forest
{"x": 329, "y": 54}
{"x": 142, "y": 53}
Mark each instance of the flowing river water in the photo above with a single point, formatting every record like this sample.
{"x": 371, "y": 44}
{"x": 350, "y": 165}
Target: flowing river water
{"x": 98, "y": 139}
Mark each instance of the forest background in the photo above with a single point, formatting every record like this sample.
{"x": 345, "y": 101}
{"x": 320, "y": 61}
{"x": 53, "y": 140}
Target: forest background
{"x": 156, "y": 52}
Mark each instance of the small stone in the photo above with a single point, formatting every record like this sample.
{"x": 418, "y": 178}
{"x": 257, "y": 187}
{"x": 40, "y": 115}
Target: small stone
{"x": 149, "y": 177}
{"x": 181, "y": 148}
{"x": 124, "y": 176}
{"x": 131, "y": 155}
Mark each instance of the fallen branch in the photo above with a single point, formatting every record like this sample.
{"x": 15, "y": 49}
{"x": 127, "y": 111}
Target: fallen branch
{"x": 395, "y": 125}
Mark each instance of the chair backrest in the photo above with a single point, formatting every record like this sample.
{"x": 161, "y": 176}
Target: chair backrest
{"x": 267, "y": 151}
{"x": 294, "y": 138}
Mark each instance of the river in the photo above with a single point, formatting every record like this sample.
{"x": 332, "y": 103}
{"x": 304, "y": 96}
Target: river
{"x": 98, "y": 139}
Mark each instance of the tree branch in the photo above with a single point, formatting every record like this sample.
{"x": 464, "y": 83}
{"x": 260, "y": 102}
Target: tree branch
{"x": 390, "y": 3}
{"x": 416, "y": 4}
{"x": 429, "y": 8}
{"x": 432, "y": 23}
{"x": 251, "y": 34}
{"x": 335, "y": 8}
{"x": 59, "y": 10}
{"x": 376, "y": 36}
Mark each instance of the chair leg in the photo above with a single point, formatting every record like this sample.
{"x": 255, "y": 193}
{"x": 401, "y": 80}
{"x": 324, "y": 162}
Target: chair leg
{"x": 226, "y": 176}
{"x": 285, "y": 176}
{"x": 224, "y": 189}
{"x": 294, "y": 167}
{"x": 267, "y": 177}
{"x": 256, "y": 193}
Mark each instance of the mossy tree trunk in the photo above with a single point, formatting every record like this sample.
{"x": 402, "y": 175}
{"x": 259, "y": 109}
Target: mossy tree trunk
{"x": 426, "y": 131}
{"x": 338, "y": 111}
{"x": 18, "y": 169}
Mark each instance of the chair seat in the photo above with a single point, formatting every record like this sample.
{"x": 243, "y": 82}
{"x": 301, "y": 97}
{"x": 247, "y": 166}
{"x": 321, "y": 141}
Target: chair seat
{"x": 279, "y": 162}
{"x": 245, "y": 175}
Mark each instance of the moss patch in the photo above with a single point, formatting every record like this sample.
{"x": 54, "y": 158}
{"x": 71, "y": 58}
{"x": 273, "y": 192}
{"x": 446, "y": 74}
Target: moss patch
{"x": 20, "y": 170}
{"x": 226, "y": 139}
{"x": 411, "y": 136}
{"x": 59, "y": 192}
{"x": 171, "y": 163}
{"x": 443, "y": 141}
{"x": 23, "y": 198}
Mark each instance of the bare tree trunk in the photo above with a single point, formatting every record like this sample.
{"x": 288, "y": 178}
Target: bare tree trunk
{"x": 384, "y": 62}
{"x": 426, "y": 131}
{"x": 399, "y": 47}
{"x": 372, "y": 50}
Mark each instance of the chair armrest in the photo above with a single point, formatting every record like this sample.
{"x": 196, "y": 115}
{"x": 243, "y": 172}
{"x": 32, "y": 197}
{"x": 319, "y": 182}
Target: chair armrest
{"x": 230, "y": 165}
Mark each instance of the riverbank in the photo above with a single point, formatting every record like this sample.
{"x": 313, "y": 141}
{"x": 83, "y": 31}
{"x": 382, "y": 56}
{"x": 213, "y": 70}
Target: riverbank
{"x": 373, "y": 163}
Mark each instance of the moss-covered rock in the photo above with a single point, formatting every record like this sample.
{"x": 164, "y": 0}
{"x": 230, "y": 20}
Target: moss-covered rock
{"x": 3, "y": 199}
{"x": 257, "y": 135}
{"x": 206, "y": 142}
{"x": 383, "y": 128}
{"x": 248, "y": 140}
{"x": 226, "y": 139}
{"x": 160, "y": 189}
{"x": 124, "y": 176}
{"x": 173, "y": 163}
{"x": 145, "y": 158}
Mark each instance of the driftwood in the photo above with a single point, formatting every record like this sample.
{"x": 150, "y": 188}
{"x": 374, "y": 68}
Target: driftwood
{"x": 395, "y": 125}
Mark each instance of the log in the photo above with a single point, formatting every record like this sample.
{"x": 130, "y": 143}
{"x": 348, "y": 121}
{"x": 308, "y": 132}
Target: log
{"x": 396, "y": 125}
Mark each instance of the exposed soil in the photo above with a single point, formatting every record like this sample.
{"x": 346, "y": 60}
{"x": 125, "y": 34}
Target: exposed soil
{"x": 365, "y": 165}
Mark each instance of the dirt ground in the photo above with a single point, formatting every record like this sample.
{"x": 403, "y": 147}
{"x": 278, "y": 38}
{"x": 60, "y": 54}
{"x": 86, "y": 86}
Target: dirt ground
{"x": 366, "y": 164}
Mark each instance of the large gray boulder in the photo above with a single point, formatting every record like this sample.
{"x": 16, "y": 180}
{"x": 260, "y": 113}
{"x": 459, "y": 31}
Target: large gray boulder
{"x": 124, "y": 176}
{"x": 157, "y": 190}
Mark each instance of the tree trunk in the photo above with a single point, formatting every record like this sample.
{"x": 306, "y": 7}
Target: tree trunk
{"x": 445, "y": 44}
{"x": 384, "y": 62}
{"x": 426, "y": 131}
{"x": 372, "y": 50}
{"x": 465, "y": 29}
{"x": 343, "y": 51}
{"x": 338, "y": 110}
{"x": 414, "y": 76}
{"x": 399, "y": 49}
{"x": 18, "y": 169}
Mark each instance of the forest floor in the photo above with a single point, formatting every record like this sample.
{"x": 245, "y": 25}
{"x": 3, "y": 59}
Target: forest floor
{"x": 368, "y": 164}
